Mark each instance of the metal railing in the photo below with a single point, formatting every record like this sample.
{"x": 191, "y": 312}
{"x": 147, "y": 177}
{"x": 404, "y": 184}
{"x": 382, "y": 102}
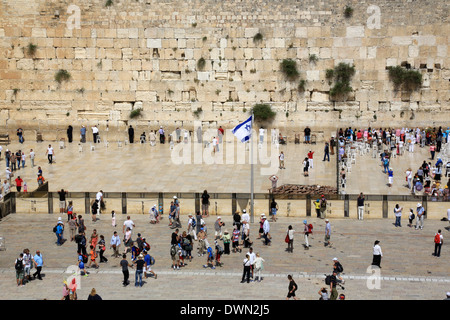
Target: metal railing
{"x": 341, "y": 205}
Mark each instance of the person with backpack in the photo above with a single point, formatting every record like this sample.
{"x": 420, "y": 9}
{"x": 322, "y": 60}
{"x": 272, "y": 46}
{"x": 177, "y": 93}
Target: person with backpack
{"x": 333, "y": 286}
{"x": 19, "y": 265}
{"x": 438, "y": 240}
{"x": 305, "y": 167}
{"x": 191, "y": 226}
{"x": 307, "y": 231}
{"x": 385, "y": 163}
{"x": 82, "y": 259}
{"x": 218, "y": 253}
{"x": 80, "y": 240}
{"x": 58, "y": 229}
{"x": 175, "y": 251}
{"x": 338, "y": 268}
{"x": 149, "y": 261}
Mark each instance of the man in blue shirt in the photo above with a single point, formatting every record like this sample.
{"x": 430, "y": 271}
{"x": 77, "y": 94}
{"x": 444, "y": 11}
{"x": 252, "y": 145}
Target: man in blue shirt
{"x": 38, "y": 263}
{"x": 83, "y": 134}
{"x": 148, "y": 263}
{"x": 59, "y": 231}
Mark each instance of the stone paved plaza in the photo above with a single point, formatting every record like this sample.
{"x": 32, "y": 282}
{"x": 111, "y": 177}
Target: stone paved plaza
{"x": 409, "y": 271}
{"x": 143, "y": 168}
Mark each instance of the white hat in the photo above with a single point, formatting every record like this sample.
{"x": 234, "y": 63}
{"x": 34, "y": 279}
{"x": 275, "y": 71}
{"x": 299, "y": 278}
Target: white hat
{"x": 419, "y": 205}
{"x": 59, "y": 219}
{"x": 335, "y": 259}
{"x": 174, "y": 197}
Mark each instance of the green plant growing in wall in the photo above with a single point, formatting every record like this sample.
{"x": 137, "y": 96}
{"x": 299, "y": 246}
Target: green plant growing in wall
{"x": 198, "y": 112}
{"x": 289, "y": 69}
{"x": 406, "y": 79}
{"x": 263, "y": 112}
{"x": 302, "y": 85}
{"x": 31, "y": 49}
{"x": 348, "y": 12}
{"x": 313, "y": 58}
{"x": 109, "y": 3}
{"x": 329, "y": 74}
{"x": 257, "y": 38}
{"x": 62, "y": 75}
{"x": 342, "y": 75}
{"x": 135, "y": 113}
{"x": 201, "y": 63}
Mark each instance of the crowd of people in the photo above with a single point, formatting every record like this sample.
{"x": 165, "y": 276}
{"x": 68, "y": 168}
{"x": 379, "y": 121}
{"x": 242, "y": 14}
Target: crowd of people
{"x": 429, "y": 178}
{"x": 215, "y": 246}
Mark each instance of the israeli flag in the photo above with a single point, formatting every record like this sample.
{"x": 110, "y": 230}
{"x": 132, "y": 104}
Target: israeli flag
{"x": 243, "y": 131}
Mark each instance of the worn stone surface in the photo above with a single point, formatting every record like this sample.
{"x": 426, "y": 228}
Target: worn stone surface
{"x": 135, "y": 52}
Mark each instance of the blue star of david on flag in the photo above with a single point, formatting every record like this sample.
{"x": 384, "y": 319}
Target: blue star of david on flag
{"x": 243, "y": 131}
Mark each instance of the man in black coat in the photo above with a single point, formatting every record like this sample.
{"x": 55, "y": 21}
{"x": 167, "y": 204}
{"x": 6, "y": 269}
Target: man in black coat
{"x": 131, "y": 134}
{"x": 69, "y": 133}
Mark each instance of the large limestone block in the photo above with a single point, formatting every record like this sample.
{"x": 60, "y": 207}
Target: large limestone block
{"x": 154, "y": 43}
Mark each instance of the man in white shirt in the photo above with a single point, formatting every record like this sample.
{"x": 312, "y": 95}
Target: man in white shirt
{"x": 252, "y": 256}
{"x": 5, "y": 187}
{"x": 245, "y": 216}
{"x": 50, "y": 152}
{"x": 266, "y": 229}
{"x": 8, "y": 174}
{"x": 281, "y": 160}
{"x": 215, "y": 144}
{"x": 128, "y": 224}
{"x": 191, "y": 227}
{"x": 99, "y": 197}
{"x": 32, "y": 155}
{"x": 95, "y": 133}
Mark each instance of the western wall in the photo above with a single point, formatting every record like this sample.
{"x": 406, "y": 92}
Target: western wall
{"x": 123, "y": 55}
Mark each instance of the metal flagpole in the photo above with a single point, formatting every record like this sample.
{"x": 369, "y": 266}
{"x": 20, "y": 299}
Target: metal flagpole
{"x": 251, "y": 173}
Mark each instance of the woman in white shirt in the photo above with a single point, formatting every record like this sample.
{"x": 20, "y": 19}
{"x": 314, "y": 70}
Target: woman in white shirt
{"x": 377, "y": 254}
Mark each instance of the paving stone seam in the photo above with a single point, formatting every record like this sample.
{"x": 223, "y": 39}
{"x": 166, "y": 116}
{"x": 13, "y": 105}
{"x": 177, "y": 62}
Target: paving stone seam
{"x": 239, "y": 274}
